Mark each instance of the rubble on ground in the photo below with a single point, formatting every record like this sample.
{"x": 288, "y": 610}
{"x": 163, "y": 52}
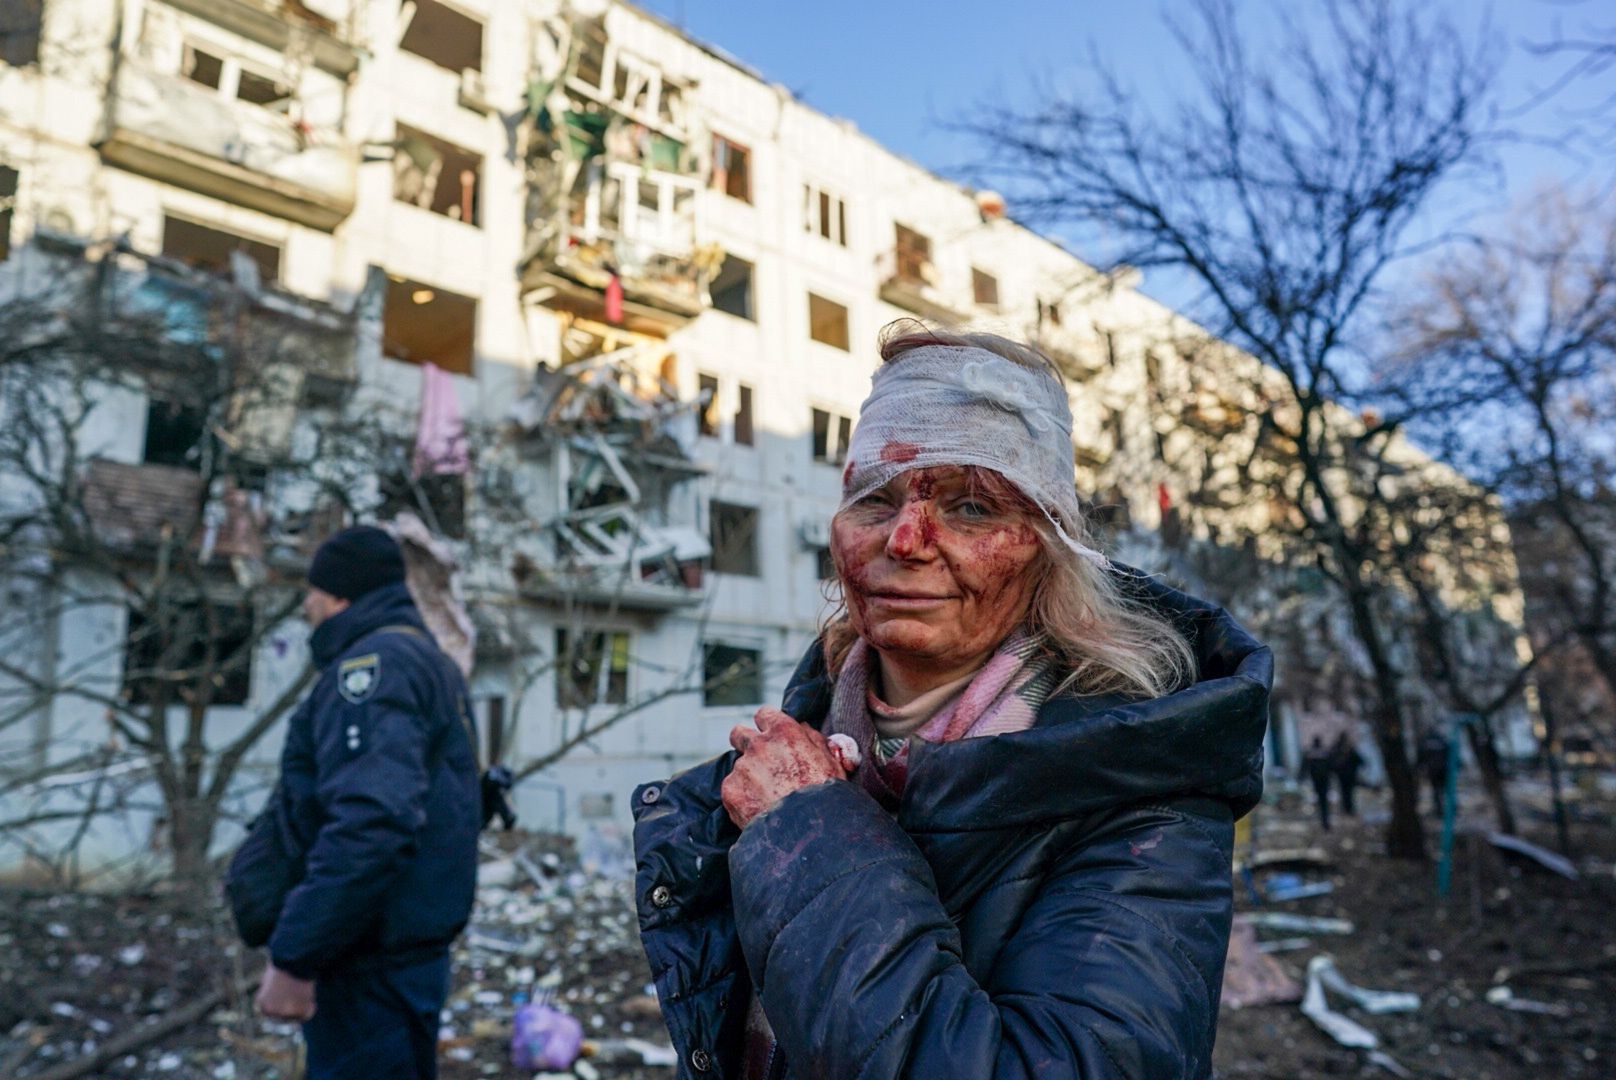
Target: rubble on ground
{"x": 1515, "y": 972}
{"x": 78, "y": 969}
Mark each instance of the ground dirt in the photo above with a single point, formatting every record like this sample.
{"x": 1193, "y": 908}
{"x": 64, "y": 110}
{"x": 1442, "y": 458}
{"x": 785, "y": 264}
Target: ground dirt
{"x": 78, "y": 970}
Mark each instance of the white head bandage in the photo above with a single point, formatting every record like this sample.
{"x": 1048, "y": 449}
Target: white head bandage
{"x": 961, "y": 405}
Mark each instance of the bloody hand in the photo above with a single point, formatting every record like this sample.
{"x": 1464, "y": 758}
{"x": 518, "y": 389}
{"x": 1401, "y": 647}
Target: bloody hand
{"x": 779, "y": 757}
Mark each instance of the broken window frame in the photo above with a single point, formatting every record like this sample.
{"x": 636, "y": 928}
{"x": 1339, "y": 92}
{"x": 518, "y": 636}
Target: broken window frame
{"x": 595, "y": 671}
{"x": 720, "y": 286}
{"x": 738, "y": 682}
{"x": 462, "y": 360}
{"x": 829, "y": 435}
{"x": 420, "y": 43}
{"x": 663, "y": 95}
{"x": 829, "y": 322}
{"x": 732, "y": 532}
{"x": 444, "y": 177}
{"x": 824, "y": 213}
{"x": 736, "y": 182}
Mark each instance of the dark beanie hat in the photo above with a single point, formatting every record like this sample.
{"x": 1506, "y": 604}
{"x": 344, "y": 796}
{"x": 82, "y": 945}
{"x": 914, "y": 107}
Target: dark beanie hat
{"x": 357, "y": 561}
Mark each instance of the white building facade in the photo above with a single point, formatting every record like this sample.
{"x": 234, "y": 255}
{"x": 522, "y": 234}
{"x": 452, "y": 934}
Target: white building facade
{"x": 506, "y": 190}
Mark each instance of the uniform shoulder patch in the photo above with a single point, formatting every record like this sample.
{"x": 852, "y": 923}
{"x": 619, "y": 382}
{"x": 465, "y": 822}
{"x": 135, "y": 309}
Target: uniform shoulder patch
{"x": 357, "y": 678}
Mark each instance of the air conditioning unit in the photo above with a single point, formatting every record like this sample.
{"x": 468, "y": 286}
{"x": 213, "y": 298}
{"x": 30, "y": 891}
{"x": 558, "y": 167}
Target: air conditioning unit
{"x": 473, "y": 93}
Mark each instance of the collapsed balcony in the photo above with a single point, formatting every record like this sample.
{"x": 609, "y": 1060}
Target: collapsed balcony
{"x": 623, "y": 250}
{"x": 614, "y": 183}
{"x": 617, "y": 456}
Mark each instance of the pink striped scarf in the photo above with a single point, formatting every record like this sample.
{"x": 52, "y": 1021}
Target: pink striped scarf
{"x": 1004, "y": 696}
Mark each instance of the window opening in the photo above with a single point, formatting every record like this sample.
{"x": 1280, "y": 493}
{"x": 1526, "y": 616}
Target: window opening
{"x": 437, "y": 176}
{"x": 731, "y": 289}
{"x": 732, "y": 169}
{"x": 425, "y": 324}
{"x": 172, "y": 657}
{"x": 210, "y": 249}
{"x": 827, "y": 322}
{"x": 743, "y": 414}
{"x": 832, "y": 433}
{"x": 825, "y": 214}
{"x": 707, "y": 395}
{"x": 984, "y": 288}
{"x": 444, "y": 36}
{"x": 174, "y": 434}
{"x": 913, "y": 251}
{"x": 202, "y": 67}
{"x": 591, "y": 668}
{"x": 824, "y": 564}
{"x": 733, "y": 535}
{"x": 259, "y": 89}
{"x": 20, "y": 22}
{"x": 8, "y": 202}
{"x": 731, "y": 675}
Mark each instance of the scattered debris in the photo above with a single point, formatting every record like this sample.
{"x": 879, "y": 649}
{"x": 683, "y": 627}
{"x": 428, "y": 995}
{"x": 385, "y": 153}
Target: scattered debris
{"x": 1322, "y": 975}
{"x": 1342, "y": 1029}
{"x": 1505, "y": 998}
{"x": 1301, "y": 924}
{"x": 147, "y": 1033}
{"x": 1374, "y": 1002}
{"x": 1277, "y": 858}
{"x": 1284, "y": 887}
{"x": 1542, "y": 856}
{"x": 1288, "y": 944}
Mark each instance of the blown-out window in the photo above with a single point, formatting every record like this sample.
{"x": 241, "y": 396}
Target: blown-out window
{"x": 731, "y": 675}
{"x": 591, "y": 668}
{"x": 732, "y": 169}
{"x": 831, "y": 434}
{"x": 827, "y": 322}
{"x": 439, "y": 33}
{"x": 733, "y": 534}
{"x": 423, "y": 324}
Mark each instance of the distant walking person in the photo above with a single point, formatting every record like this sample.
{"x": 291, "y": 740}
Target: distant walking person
{"x": 1345, "y": 761}
{"x": 1317, "y": 763}
{"x": 365, "y": 861}
{"x": 1433, "y": 760}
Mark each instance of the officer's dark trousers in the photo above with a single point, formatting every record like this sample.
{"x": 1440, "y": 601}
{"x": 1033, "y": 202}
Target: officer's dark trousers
{"x": 377, "y": 1025}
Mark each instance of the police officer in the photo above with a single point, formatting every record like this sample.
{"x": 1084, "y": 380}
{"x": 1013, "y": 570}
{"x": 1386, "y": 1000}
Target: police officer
{"x": 379, "y": 790}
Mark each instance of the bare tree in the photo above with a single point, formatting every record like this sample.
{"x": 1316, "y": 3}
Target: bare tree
{"x": 160, "y": 578}
{"x": 1528, "y": 320}
{"x": 1285, "y": 191}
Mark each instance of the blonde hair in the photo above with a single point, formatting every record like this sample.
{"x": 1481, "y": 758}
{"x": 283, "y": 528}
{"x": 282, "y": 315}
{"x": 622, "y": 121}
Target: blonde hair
{"x": 1106, "y": 641}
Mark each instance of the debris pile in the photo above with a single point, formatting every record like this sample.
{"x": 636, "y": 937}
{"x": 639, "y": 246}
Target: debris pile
{"x": 167, "y": 986}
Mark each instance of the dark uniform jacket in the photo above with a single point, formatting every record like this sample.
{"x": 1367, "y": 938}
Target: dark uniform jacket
{"x": 379, "y": 790}
{"x": 1050, "y": 903}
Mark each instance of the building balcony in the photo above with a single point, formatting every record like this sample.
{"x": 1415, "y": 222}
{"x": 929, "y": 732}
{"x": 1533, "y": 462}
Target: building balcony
{"x": 172, "y": 129}
{"x": 916, "y": 286}
{"x": 615, "y": 459}
{"x": 636, "y": 226}
{"x": 615, "y": 559}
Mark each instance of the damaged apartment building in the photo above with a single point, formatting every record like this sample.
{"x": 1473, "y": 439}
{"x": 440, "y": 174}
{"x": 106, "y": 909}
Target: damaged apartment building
{"x": 609, "y": 300}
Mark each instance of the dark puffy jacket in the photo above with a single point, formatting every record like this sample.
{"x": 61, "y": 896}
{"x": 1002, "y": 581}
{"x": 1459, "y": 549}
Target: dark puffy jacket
{"x": 379, "y": 787}
{"x": 1051, "y": 903}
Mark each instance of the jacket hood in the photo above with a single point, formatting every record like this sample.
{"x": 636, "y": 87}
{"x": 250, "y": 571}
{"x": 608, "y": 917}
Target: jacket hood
{"x": 390, "y": 605}
{"x": 1086, "y": 754}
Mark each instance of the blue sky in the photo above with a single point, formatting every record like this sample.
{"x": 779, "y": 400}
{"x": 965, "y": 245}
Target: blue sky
{"x": 901, "y": 68}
